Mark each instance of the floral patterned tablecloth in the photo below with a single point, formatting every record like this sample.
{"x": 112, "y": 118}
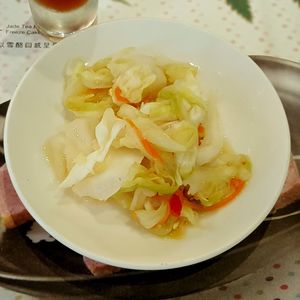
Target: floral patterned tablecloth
{"x": 274, "y": 31}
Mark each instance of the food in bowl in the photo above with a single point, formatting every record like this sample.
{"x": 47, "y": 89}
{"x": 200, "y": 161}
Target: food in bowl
{"x": 252, "y": 119}
{"x": 143, "y": 136}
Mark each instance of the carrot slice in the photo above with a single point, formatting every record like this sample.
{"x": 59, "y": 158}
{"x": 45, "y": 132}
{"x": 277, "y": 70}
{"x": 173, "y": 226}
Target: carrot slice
{"x": 162, "y": 197}
{"x": 148, "y": 98}
{"x": 120, "y": 98}
{"x": 235, "y": 183}
{"x": 146, "y": 144}
{"x": 201, "y": 133}
{"x": 201, "y": 130}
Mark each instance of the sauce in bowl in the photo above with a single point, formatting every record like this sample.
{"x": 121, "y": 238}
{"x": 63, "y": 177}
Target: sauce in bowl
{"x": 62, "y": 5}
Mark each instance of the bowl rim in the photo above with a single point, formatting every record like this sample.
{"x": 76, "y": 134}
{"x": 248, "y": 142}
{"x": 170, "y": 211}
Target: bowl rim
{"x": 123, "y": 264}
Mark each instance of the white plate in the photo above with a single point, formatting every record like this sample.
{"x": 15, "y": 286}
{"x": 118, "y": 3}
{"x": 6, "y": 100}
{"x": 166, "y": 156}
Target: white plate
{"x": 251, "y": 113}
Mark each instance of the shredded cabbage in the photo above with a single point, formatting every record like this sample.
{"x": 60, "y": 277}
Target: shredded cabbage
{"x": 113, "y": 171}
{"x": 97, "y": 79}
{"x": 144, "y": 137}
{"x": 160, "y": 111}
{"x": 106, "y": 131}
{"x": 139, "y": 197}
{"x": 133, "y": 82}
{"x": 151, "y": 131}
{"x": 176, "y": 71}
{"x": 213, "y": 140}
{"x": 141, "y": 177}
{"x": 150, "y": 218}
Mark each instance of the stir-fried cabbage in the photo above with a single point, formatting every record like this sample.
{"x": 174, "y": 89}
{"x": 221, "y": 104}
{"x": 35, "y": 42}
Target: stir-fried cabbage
{"x": 106, "y": 131}
{"x": 144, "y": 137}
{"x": 175, "y": 71}
{"x": 142, "y": 177}
{"x": 110, "y": 176}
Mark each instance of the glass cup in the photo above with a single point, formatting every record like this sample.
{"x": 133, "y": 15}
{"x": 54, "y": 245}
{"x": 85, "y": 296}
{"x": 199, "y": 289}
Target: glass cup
{"x": 60, "y": 18}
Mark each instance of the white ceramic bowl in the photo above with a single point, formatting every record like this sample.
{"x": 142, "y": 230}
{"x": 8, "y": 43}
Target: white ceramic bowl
{"x": 253, "y": 119}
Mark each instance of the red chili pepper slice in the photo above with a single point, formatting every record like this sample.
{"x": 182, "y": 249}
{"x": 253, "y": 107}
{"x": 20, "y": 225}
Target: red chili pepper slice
{"x": 175, "y": 205}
